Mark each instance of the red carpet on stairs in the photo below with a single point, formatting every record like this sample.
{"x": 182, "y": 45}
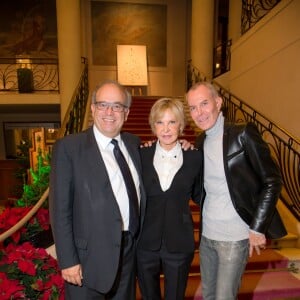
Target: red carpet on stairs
{"x": 269, "y": 286}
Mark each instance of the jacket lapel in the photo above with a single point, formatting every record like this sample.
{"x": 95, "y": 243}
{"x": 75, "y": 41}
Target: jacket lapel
{"x": 97, "y": 170}
{"x": 133, "y": 152}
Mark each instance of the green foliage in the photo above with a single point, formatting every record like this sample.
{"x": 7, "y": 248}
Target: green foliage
{"x": 40, "y": 181}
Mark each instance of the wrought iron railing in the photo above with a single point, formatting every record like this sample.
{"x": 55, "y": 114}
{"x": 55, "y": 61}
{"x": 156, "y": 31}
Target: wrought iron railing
{"x": 193, "y": 75}
{"x": 27, "y": 74}
{"x": 76, "y": 113}
{"x": 74, "y": 121}
{"x": 285, "y": 148}
{"x": 253, "y": 11}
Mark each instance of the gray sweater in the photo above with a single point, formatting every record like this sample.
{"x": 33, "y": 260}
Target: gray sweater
{"x": 220, "y": 220}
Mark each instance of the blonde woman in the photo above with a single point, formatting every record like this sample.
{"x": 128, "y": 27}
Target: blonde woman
{"x": 171, "y": 178}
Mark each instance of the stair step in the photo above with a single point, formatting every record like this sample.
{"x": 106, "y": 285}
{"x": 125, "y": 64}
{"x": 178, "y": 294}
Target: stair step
{"x": 254, "y": 285}
{"x": 137, "y": 129}
{"x": 269, "y": 259}
{"x": 134, "y": 113}
{"x": 267, "y": 285}
{"x": 289, "y": 241}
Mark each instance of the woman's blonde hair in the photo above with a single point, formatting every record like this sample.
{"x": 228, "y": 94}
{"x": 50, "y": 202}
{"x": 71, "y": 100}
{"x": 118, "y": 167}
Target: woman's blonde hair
{"x": 163, "y": 104}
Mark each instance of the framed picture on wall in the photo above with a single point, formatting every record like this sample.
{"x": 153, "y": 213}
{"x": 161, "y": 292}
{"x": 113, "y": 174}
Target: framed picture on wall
{"x": 132, "y": 65}
{"x": 28, "y": 27}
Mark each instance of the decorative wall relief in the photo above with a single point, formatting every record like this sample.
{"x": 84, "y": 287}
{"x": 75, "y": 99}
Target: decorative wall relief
{"x": 116, "y": 23}
{"x": 28, "y": 27}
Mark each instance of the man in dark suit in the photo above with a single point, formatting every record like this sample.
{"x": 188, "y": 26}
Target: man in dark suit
{"x": 89, "y": 203}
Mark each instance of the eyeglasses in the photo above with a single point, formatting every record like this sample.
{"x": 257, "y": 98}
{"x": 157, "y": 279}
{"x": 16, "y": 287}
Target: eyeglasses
{"x": 115, "y": 107}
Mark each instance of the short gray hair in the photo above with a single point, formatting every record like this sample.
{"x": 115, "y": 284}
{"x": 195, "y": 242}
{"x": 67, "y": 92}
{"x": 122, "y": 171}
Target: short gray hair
{"x": 123, "y": 90}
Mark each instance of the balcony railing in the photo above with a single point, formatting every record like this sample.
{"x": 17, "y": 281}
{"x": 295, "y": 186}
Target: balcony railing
{"x": 254, "y": 10}
{"x": 27, "y": 74}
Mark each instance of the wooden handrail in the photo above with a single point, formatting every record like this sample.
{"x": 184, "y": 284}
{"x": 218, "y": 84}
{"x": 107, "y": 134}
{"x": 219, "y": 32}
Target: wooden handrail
{"x": 26, "y": 218}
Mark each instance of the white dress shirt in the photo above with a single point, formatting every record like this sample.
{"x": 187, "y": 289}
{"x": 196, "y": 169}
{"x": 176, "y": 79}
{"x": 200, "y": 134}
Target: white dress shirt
{"x": 114, "y": 172}
{"x": 167, "y": 164}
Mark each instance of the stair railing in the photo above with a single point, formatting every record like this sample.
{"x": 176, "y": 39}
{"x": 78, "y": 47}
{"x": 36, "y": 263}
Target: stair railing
{"x": 253, "y": 11}
{"x": 284, "y": 147}
{"x": 193, "y": 75}
{"x": 74, "y": 121}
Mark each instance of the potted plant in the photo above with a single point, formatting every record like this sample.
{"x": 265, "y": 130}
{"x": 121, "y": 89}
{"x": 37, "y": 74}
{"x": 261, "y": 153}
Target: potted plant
{"x": 31, "y": 273}
{"x": 27, "y": 271}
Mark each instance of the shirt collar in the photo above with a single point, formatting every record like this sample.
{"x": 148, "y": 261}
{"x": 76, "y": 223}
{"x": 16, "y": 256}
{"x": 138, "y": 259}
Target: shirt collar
{"x": 102, "y": 140}
{"x": 218, "y": 126}
{"x": 171, "y": 153}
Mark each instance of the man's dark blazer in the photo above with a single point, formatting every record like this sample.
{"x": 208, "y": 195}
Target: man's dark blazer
{"x": 253, "y": 178}
{"x": 85, "y": 215}
{"x": 168, "y": 215}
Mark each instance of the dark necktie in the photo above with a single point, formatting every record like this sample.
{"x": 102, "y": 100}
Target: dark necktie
{"x": 130, "y": 186}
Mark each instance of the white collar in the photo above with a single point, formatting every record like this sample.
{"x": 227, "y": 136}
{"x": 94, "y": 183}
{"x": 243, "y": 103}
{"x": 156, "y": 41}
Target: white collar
{"x": 103, "y": 140}
{"x": 163, "y": 153}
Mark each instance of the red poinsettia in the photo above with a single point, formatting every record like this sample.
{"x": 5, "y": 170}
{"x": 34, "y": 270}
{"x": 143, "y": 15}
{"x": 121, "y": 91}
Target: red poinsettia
{"x": 29, "y": 273}
{"x": 11, "y": 215}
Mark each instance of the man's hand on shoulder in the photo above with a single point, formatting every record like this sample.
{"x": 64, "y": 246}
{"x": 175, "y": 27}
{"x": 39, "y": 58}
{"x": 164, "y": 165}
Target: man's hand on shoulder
{"x": 148, "y": 144}
{"x": 186, "y": 145}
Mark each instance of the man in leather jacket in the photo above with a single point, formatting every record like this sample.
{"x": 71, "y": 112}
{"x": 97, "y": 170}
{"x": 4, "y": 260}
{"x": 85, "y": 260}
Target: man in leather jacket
{"x": 241, "y": 186}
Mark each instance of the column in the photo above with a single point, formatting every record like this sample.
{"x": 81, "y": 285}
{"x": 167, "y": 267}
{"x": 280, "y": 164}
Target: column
{"x": 202, "y": 34}
{"x": 69, "y": 50}
{"x": 235, "y": 15}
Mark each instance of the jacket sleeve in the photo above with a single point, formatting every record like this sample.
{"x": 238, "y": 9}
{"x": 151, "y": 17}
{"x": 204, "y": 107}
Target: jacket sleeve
{"x": 60, "y": 205}
{"x": 197, "y": 192}
{"x": 259, "y": 156}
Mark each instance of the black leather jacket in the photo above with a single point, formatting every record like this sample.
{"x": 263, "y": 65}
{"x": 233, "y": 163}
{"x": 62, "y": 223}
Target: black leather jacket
{"x": 253, "y": 178}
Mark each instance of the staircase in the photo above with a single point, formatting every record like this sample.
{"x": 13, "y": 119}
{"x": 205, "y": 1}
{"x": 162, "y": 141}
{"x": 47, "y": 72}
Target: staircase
{"x": 273, "y": 275}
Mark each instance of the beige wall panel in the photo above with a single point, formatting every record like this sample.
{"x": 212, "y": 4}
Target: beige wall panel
{"x": 265, "y": 64}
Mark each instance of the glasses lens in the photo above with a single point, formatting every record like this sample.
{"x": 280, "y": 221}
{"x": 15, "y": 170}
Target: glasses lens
{"x": 116, "y": 107}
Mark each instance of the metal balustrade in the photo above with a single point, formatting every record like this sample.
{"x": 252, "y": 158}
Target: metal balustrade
{"x": 284, "y": 147}
{"x": 255, "y": 10}
{"x": 27, "y": 74}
